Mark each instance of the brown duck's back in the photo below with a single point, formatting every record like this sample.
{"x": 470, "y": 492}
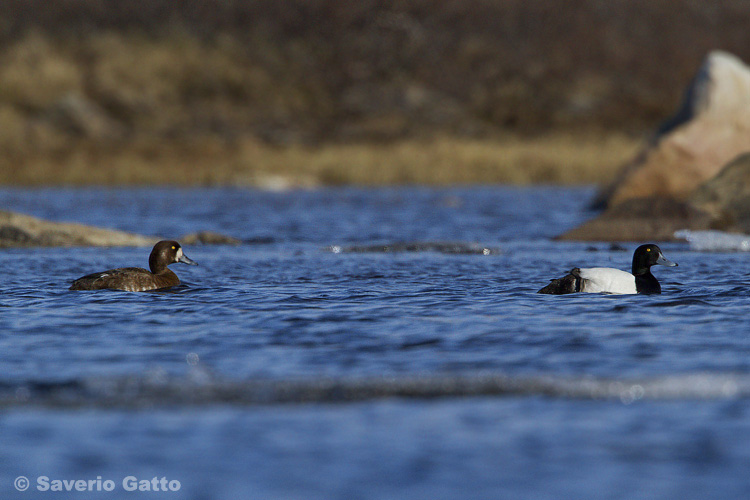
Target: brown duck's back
{"x": 129, "y": 279}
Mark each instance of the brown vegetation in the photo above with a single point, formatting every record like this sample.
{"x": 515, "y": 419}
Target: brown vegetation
{"x": 553, "y": 158}
{"x": 213, "y": 91}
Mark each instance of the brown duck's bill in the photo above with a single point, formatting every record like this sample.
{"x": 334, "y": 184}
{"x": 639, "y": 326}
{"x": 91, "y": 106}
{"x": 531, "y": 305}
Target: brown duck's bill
{"x": 186, "y": 260}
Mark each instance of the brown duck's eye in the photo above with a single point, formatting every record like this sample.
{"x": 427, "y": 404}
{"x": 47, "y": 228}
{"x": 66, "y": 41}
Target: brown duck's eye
{"x": 175, "y": 248}
{"x": 648, "y": 249}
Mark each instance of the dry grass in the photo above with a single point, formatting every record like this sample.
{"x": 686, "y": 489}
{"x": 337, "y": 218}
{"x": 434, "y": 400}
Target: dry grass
{"x": 554, "y": 158}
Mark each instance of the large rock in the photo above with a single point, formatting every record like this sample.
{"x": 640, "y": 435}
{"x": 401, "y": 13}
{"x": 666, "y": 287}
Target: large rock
{"x": 674, "y": 183}
{"x": 644, "y": 219}
{"x": 726, "y": 197}
{"x": 720, "y": 203}
{"x": 711, "y": 128}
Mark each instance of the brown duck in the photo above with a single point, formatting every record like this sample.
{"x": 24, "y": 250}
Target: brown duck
{"x": 136, "y": 279}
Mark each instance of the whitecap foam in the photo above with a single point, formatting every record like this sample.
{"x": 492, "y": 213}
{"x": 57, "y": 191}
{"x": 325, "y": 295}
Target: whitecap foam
{"x": 715, "y": 241}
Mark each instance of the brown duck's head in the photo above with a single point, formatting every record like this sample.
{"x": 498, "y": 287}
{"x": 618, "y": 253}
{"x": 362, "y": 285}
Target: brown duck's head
{"x": 167, "y": 252}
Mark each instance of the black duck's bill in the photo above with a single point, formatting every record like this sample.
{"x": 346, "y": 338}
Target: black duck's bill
{"x": 665, "y": 262}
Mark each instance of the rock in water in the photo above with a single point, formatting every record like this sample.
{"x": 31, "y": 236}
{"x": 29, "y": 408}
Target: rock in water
{"x": 642, "y": 219}
{"x": 19, "y": 230}
{"x": 727, "y": 196}
{"x": 208, "y": 238}
{"x": 446, "y": 247}
{"x": 674, "y": 183}
{"x": 709, "y": 130}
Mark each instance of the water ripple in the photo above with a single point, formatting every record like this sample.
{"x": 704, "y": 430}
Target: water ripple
{"x": 200, "y": 388}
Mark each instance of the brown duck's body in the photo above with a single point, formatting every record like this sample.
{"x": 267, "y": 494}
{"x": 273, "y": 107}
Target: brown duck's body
{"x": 129, "y": 279}
{"x": 136, "y": 279}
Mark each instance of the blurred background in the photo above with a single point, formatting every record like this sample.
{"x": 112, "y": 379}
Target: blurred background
{"x": 317, "y": 92}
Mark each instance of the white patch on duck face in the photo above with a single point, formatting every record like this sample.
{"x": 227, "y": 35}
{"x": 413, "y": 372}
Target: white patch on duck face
{"x": 178, "y": 256}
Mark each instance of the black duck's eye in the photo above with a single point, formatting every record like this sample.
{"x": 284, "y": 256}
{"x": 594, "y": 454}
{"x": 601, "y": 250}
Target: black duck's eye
{"x": 175, "y": 248}
{"x": 648, "y": 249}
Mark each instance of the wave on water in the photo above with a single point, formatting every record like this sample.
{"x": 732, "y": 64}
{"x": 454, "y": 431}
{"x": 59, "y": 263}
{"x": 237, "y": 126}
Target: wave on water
{"x": 715, "y": 241}
{"x": 199, "y": 389}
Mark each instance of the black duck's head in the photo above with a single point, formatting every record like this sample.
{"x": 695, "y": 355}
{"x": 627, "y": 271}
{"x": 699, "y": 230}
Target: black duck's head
{"x": 649, "y": 255}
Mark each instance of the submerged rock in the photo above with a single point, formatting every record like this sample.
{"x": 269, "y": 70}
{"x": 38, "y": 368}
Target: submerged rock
{"x": 208, "y": 238}
{"x": 710, "y": 129}
{"x": 422, "y": 246}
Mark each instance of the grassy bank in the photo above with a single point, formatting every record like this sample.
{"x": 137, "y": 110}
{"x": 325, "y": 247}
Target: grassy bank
{"x": 333, "y": 91}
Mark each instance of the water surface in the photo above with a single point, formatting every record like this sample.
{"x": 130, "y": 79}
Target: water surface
{"x": 282, "y": 369}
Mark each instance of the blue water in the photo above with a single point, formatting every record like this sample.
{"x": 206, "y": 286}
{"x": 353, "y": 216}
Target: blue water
{"x": 282, "y": 369}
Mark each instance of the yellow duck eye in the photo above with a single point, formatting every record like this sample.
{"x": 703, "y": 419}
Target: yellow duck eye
{"x": 648, "y": 249}
{"x": 175, "y": 248}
